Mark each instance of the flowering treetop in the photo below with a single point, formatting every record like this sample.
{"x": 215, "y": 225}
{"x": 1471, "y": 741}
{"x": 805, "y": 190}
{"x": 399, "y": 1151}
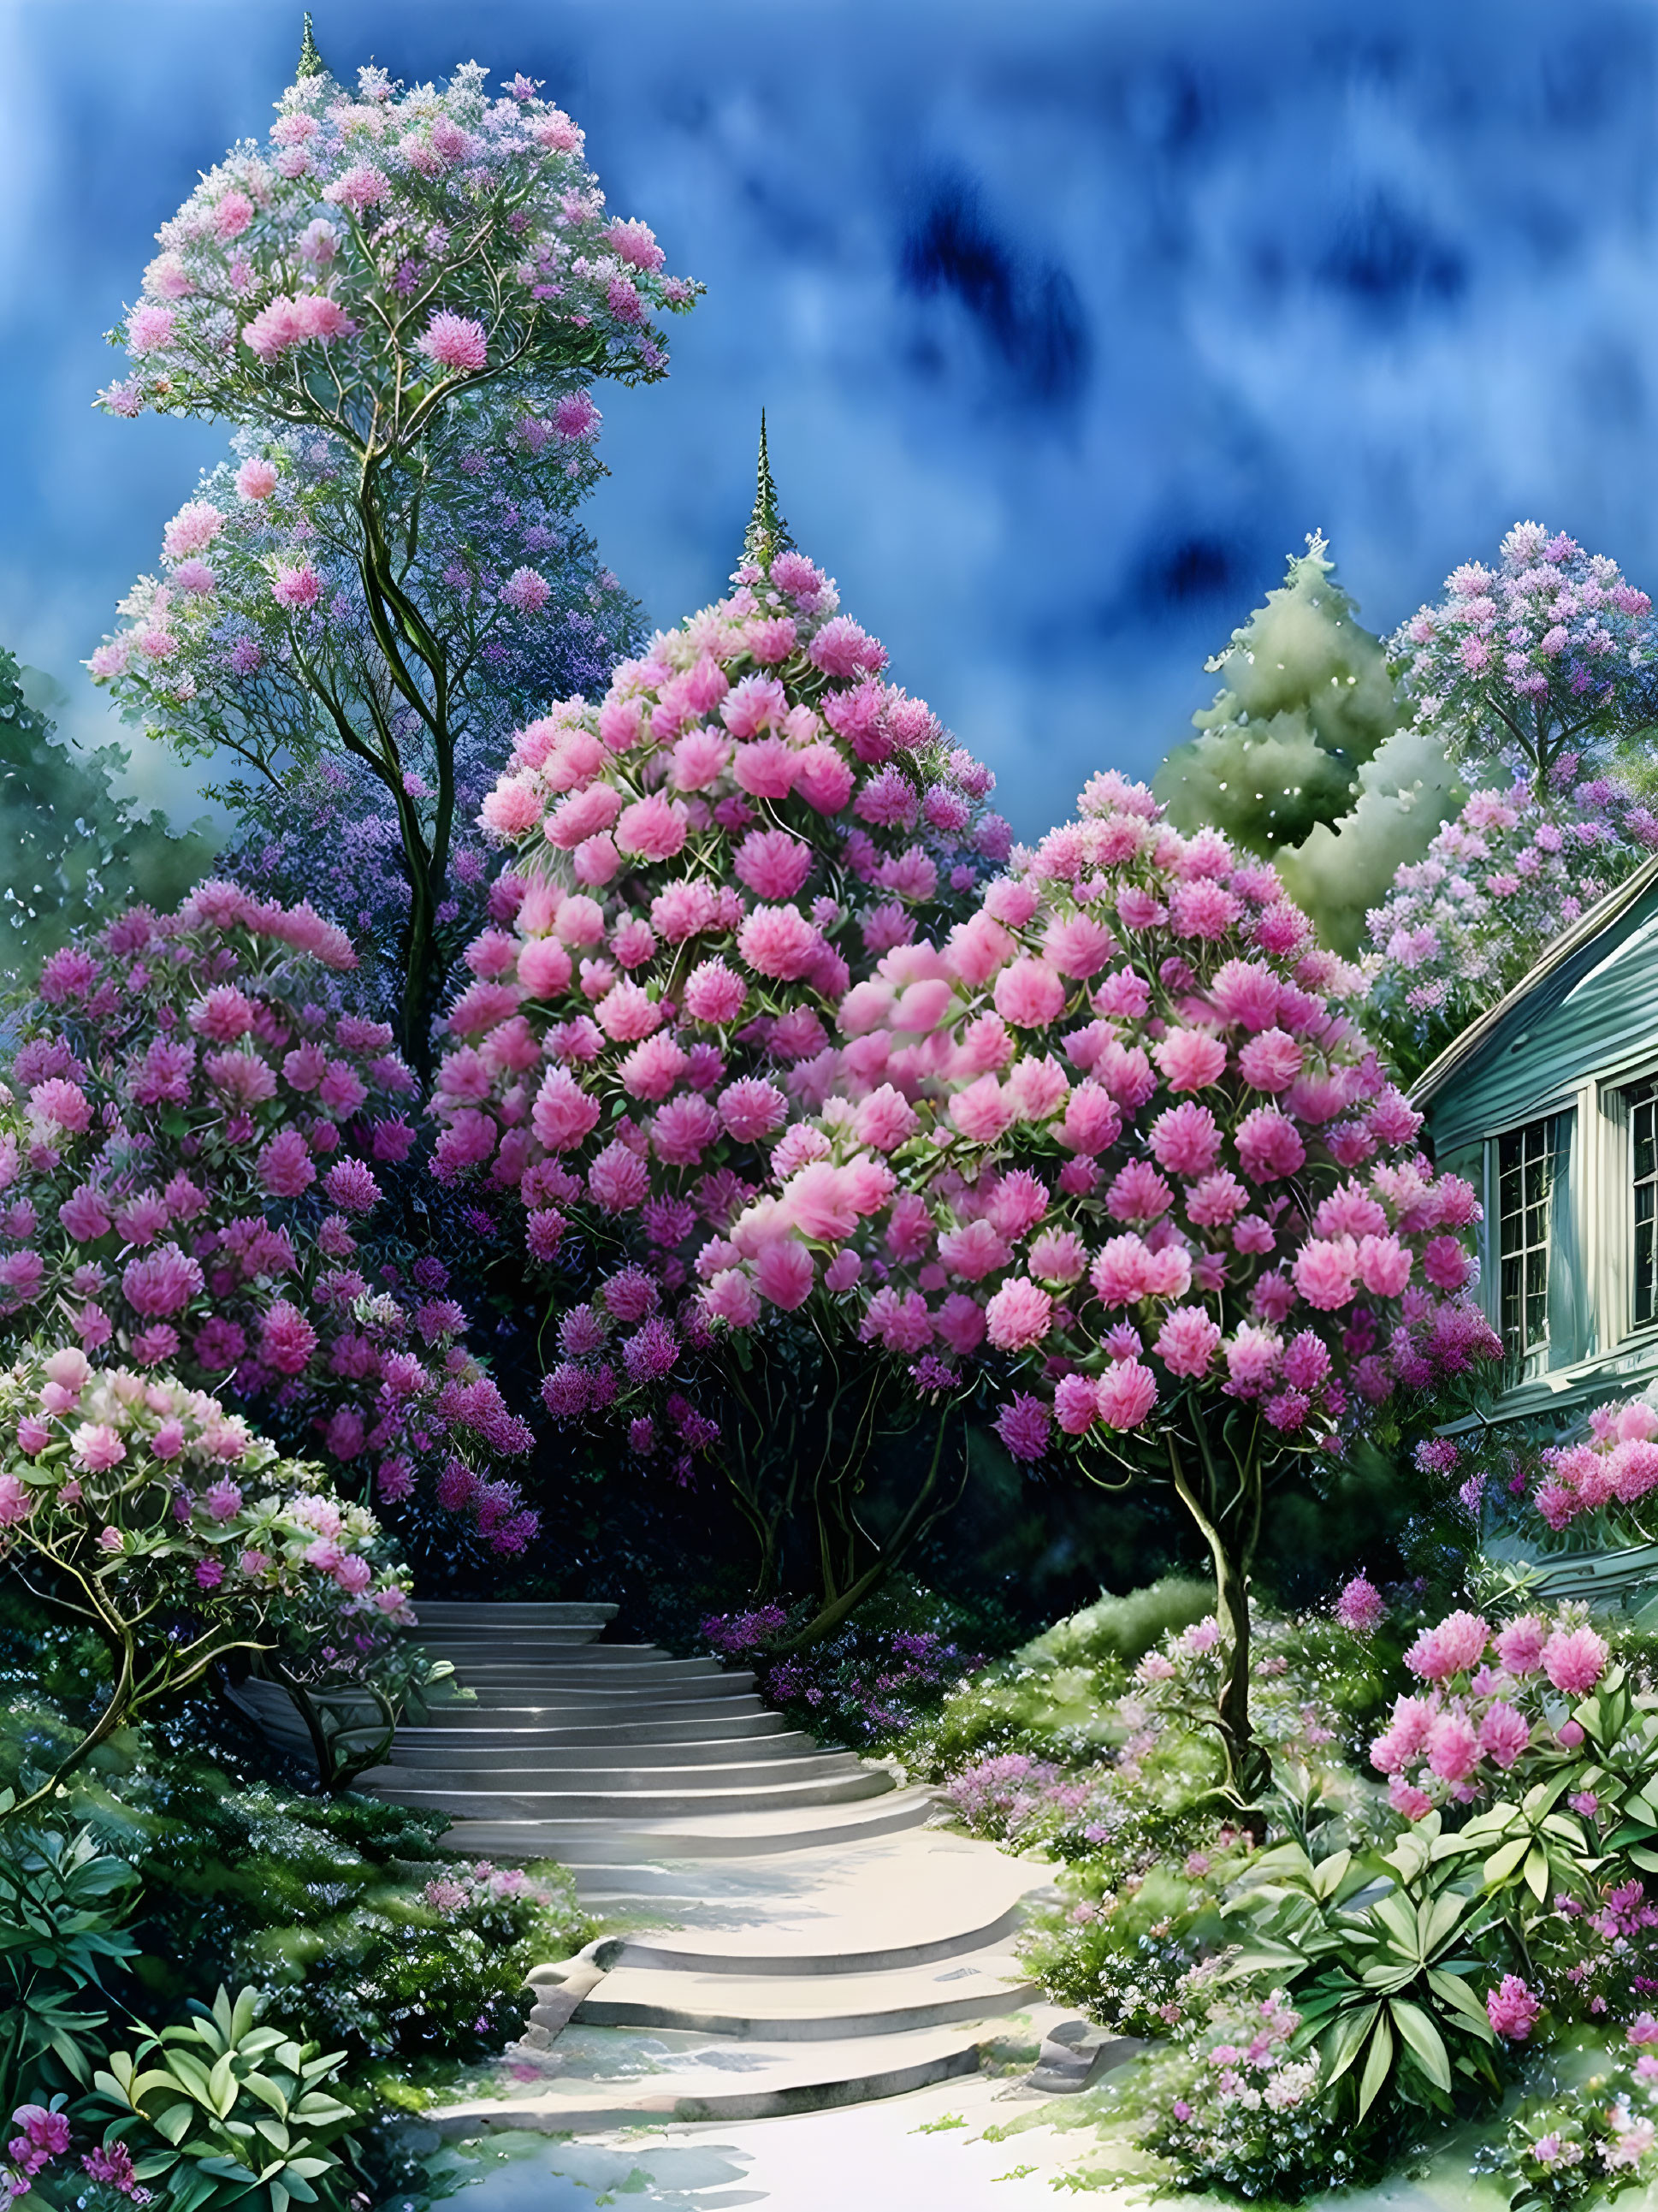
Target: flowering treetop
{"x": 750, "y": 816}
{"x": 189, "y": 1172}
{"x": 1121, "y": 1134}
{"x": 258, "y": 636}
{"x": 1544, "y": 653}
{"x": 1462, "y": 926}
{"x": 387, "y": 253}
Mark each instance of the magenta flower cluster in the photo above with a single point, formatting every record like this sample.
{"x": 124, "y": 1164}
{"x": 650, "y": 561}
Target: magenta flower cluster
{"x": 1616, "y": 1467}
{"x": 190, "y": 1165}
{"x": 1119, "y": 1134}
{"x": 1485, "y": 1706}
{"x": 389, "y": 242}
{"x": 748, "y": 818}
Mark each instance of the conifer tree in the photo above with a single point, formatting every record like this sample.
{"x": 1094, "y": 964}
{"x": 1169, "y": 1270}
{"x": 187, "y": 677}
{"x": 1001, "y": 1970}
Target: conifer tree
{"x": 1307, "y": 700}
{"x": 1307, "y": 757}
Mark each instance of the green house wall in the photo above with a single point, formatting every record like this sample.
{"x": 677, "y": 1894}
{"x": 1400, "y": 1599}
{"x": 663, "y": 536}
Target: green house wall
{"x": 1576, "y": 1034}
{"x": 1595, "y": 1014}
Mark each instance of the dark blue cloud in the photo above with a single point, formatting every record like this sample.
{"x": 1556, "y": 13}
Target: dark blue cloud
{"x": 1071, "y": 321}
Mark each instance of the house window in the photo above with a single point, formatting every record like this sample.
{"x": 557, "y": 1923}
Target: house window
{"x": 1643, "y": 1161}
{"x": 1525, "y": 1176}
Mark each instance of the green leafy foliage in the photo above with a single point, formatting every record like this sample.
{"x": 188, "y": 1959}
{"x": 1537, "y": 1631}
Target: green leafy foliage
{"x": 71, "y": 850}
{"x": 222, "y": 2111}
{"x": 1385, "y": 1994}
{"x": 63, "y": 1900}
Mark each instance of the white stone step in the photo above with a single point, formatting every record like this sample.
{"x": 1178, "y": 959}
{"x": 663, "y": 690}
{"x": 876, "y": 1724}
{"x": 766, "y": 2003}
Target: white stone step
{"x": 491, "y": 1613}
{"x": 977, "y": 1985}
{"x": 547, "y": 1799}
{"x": 457, "y": 1752}
{"x": 640, "y": 1698}
{"x": 732, "y": 1767}
{"x": 603, "y": 2079}
{"x": 710, "y": 1836}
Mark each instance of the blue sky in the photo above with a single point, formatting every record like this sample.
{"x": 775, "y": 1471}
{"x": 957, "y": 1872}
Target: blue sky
{"x": 1071, "y": 320}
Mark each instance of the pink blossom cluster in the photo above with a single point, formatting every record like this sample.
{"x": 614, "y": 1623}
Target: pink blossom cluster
{"x": 404, "y": 237}
{"x": 194, "y": 1145}
{"x": 1490, "y": 1698}
{"x": 1119, "y": 1134}
{"x": 1519, "y": 661}
{"x": 750, "y": 818}
{"x": 148, "y": 1479}
{"x": 1616, "y": 1467}
{"x": 1460, "y": 927}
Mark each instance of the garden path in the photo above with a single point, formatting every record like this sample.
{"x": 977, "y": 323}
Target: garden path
{"x": 799, "y": 1936}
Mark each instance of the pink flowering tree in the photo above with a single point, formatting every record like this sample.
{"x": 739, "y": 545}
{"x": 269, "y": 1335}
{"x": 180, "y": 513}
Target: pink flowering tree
{"x": 1462, "y": 926}
{"x": 1543, "y": 655}
{"x": 194, "y": 1167}
{"x": 750, "y": 817}
{"x": 405, "y": 294}
{"x": 1119, "y": 1141}
{"x": 145, "y": 1509}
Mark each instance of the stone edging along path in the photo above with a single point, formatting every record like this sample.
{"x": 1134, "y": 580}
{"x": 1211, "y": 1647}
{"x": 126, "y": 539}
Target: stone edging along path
{"x": 803, "y": 1938}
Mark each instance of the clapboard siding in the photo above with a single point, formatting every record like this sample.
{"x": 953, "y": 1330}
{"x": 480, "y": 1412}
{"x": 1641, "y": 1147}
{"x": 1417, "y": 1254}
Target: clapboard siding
{"x": 1593, "y": 1017}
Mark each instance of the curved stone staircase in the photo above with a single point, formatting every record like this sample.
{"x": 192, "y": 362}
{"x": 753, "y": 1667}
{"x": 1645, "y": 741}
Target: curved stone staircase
{"x": 804, "y": 1939}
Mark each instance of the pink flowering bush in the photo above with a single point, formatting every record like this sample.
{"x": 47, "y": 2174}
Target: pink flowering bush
{"x": 1234, "y": 2100}
{"x": 1543, "y": 655}
{"x": 1612, "y": 1471}
{"x": 1463, "y": 925}
{"x": 1529, "y": 1736}
{"x": 1588, "y": 2145}
{"x": 1120, "y": 1138}
{"x": 407, "y": 292}
{"x": 193, "y": 1155}
{"x": 749, "y": 818}
{"x": 143, "y": 1506}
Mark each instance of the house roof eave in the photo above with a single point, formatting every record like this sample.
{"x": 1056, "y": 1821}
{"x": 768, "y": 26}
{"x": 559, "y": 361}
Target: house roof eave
{"x": 1467, "y": 1046}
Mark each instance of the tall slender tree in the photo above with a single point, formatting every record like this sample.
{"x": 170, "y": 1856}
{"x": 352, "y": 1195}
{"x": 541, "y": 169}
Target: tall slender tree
{"x": 400, "y": 303}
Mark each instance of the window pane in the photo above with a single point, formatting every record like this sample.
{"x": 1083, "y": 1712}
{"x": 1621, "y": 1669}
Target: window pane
{"x": 1525, "y": 1164}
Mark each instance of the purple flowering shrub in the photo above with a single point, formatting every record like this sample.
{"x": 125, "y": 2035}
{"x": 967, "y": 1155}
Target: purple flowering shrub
{"x": 403, "y": 299}
{"x": 1543, "y": 656}
{"x": 1462, "y": 926}
{"x": 871, "y": 1685}
{"x": 193, "y": 1156}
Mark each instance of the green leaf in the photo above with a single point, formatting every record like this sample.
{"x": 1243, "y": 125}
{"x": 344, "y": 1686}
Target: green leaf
{"x": 1537, "y": 1873}
{"x": 1461, "y": 2000}
{"x": 221, "y": 2085}
{"x": 1424, "y": 2041}
{"x": 1347, "y": 2038}
{"x": 1377, "y": 2066}
{"x": 1502, "y": 1863}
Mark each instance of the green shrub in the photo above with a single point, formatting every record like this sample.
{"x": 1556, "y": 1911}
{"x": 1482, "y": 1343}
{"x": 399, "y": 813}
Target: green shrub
{"x": 61, "y": 1903}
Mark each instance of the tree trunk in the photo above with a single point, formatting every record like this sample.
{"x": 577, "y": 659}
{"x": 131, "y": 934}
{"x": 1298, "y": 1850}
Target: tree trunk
{"x": 1249, "y": 1770}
